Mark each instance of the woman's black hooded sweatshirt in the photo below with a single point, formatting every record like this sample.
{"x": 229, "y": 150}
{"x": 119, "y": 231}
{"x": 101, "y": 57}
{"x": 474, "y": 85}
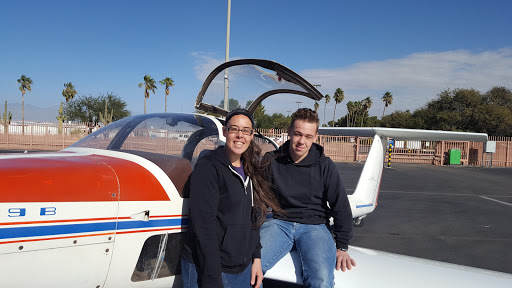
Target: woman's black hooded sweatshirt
{"x": 222, "y": 235}
{"x": 305, "y": 188}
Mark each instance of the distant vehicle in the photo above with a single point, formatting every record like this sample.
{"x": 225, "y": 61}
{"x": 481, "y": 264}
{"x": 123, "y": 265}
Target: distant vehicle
{"x": 110, "y": 210}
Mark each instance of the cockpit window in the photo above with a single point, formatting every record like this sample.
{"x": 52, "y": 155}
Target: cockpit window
{"x": 156, "y": 135}
{"x": 168, "y": 134}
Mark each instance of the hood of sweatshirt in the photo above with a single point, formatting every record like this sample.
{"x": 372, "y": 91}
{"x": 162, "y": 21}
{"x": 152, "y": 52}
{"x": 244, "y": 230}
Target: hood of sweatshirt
{"x": 315, "y": 154}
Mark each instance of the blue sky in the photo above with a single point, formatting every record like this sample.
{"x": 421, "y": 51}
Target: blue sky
{"x": 414, "y": 49}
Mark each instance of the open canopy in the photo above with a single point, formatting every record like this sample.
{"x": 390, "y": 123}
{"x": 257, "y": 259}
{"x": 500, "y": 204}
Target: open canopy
{"x": 250, "y": 80}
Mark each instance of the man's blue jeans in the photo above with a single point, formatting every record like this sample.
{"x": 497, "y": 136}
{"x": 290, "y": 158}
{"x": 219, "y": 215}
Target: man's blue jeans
{"x": 314, "y": 244}
{"x": 192, "y": 279}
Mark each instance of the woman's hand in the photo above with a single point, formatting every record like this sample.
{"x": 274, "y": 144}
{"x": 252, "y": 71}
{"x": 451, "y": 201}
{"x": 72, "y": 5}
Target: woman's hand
{"x": 256, "y": 273}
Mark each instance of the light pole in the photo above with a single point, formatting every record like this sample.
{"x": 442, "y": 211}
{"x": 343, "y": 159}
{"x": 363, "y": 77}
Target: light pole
{"x": 226, "y": 81}
{"x": 298, "y": 102}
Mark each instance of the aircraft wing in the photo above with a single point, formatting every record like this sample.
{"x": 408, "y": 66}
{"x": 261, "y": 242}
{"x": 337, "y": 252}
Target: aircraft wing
{"x": 382, "y": 269}
{"x": 404, "y": 134}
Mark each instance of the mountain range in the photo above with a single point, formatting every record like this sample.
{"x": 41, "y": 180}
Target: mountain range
{"x": 32, "y": 113}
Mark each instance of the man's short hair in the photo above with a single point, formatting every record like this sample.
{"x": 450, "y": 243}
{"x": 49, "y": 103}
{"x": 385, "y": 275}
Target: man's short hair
{"x": 307, "y": 115}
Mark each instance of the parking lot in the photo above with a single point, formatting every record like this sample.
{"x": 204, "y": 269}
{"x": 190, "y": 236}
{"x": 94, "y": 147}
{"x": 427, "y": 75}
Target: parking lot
{"x": 455, "y": 214}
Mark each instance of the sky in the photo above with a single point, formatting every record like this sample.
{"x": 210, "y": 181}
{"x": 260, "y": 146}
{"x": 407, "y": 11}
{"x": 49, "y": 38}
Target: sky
{"x": 413, "y": 49}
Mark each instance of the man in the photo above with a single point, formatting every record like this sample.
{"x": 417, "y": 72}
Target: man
{"x": 310, "y": 191}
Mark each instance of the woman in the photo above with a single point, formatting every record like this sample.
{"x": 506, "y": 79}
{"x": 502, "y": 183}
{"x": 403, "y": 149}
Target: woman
{"x": 228, "y": 192}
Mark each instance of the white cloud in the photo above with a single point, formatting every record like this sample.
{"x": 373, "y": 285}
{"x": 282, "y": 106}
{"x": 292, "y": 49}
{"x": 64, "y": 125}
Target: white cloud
{"x": 416, "y": 78}
{"x": 204, "y": 64}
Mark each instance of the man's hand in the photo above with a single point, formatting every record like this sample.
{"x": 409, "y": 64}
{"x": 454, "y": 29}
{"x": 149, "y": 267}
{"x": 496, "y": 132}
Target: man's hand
{"x": 343, "y": 261}
{"x": 256, "y": 273}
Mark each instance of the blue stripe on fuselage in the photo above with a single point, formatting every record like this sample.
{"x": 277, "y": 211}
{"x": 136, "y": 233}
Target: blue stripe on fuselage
{"x": 52, "y": 230}
{"x": 366, "y": 205}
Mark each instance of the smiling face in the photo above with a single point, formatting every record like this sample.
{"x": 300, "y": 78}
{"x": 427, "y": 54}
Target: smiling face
{"x": 237, "y": 143}
{"x": 302, "y": 135}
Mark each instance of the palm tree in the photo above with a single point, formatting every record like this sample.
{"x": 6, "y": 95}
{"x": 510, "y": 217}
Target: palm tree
{"x": 149, "y": 85}
{"x": 367, "y": 104}
{"x": 25, "y": 84}
{"x": 167, "y": 82}
{"x": 339, "y": 95}
{"x": 350, "y": 110}
{"x": 327, "y": 99}
{"x": 316, "y": 106}
{"x": 69, "y": 91}
{"x": 358, "y": 105}
{"x": 388, "y": 100}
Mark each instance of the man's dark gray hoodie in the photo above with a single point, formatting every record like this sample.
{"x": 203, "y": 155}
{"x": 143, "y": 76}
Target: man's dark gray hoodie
{"x": 305, "y": 188}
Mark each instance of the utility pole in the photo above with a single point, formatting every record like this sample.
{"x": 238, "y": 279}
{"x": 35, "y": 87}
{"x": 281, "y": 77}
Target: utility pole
{"x": 298, "y": 102}
{"x": 226, "y": 81}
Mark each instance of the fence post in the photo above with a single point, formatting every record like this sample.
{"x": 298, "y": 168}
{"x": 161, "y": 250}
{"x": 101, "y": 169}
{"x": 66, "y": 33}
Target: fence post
{"x": 165, "y": 142}
{"x": 31, "y": 136}
{"x": 467, "y": 153}
{"x": 507, "y": 154}
{"x": 357, "y": 150}
{"x": 442, "y": 153}
{"x": 8, "y": 126}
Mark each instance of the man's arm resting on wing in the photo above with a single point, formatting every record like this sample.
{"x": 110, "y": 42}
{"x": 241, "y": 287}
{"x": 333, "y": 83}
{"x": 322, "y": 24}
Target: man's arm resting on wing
{"x": 340, "y": 208}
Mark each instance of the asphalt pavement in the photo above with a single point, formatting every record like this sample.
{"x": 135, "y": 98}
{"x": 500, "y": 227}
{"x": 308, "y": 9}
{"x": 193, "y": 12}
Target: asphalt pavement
{"x": 454, "y": 214}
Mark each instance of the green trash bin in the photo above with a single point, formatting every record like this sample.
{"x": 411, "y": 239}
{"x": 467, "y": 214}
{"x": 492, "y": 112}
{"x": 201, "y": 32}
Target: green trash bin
{"x": 454, "y": 157}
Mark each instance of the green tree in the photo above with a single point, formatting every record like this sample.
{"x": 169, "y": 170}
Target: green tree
{"x": 88, "y": 108}
{"x": 261, "y": 119}
{"x": 61, "y": 118}
{"x": 358, "y": 108}
{"x": 367, "y": 104}
{"x": 327, "y": 100}
{"x": 351, "y": 108}
{"x": 69, "y": 92}
{"x": 247, "y": 104}
{"x": 167, "y": 82}
{"x": 233, "y": 104}
{"x": 280, "y": 121}
{"x": 6, "y": 118}
{"x": 500, "y": 96}
{"x": 388, "y": 100}
{"x": 400, "y": 119}
{"x": 25, "y": 85}
{"x": 316, "y": 106}
{"x": 452, "y": 110}
{"x": 339, "y": 96}
{"x": 149, "y": 85}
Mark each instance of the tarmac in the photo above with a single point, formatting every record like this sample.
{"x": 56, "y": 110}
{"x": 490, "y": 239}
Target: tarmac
{"x": 455, "y": 214}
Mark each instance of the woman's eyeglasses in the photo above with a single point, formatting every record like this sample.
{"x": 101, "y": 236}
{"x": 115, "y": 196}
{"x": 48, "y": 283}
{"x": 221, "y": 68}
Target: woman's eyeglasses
{"x": 235, "y": 130}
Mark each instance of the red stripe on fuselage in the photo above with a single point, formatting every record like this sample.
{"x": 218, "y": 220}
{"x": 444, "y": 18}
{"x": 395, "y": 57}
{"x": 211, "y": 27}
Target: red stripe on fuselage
{"x": 135, "y": 181}
{"x": 77, "y": 179}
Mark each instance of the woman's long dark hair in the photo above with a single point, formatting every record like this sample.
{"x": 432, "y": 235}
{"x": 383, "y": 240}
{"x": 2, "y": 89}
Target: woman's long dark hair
{"x": 263, "y": 196}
